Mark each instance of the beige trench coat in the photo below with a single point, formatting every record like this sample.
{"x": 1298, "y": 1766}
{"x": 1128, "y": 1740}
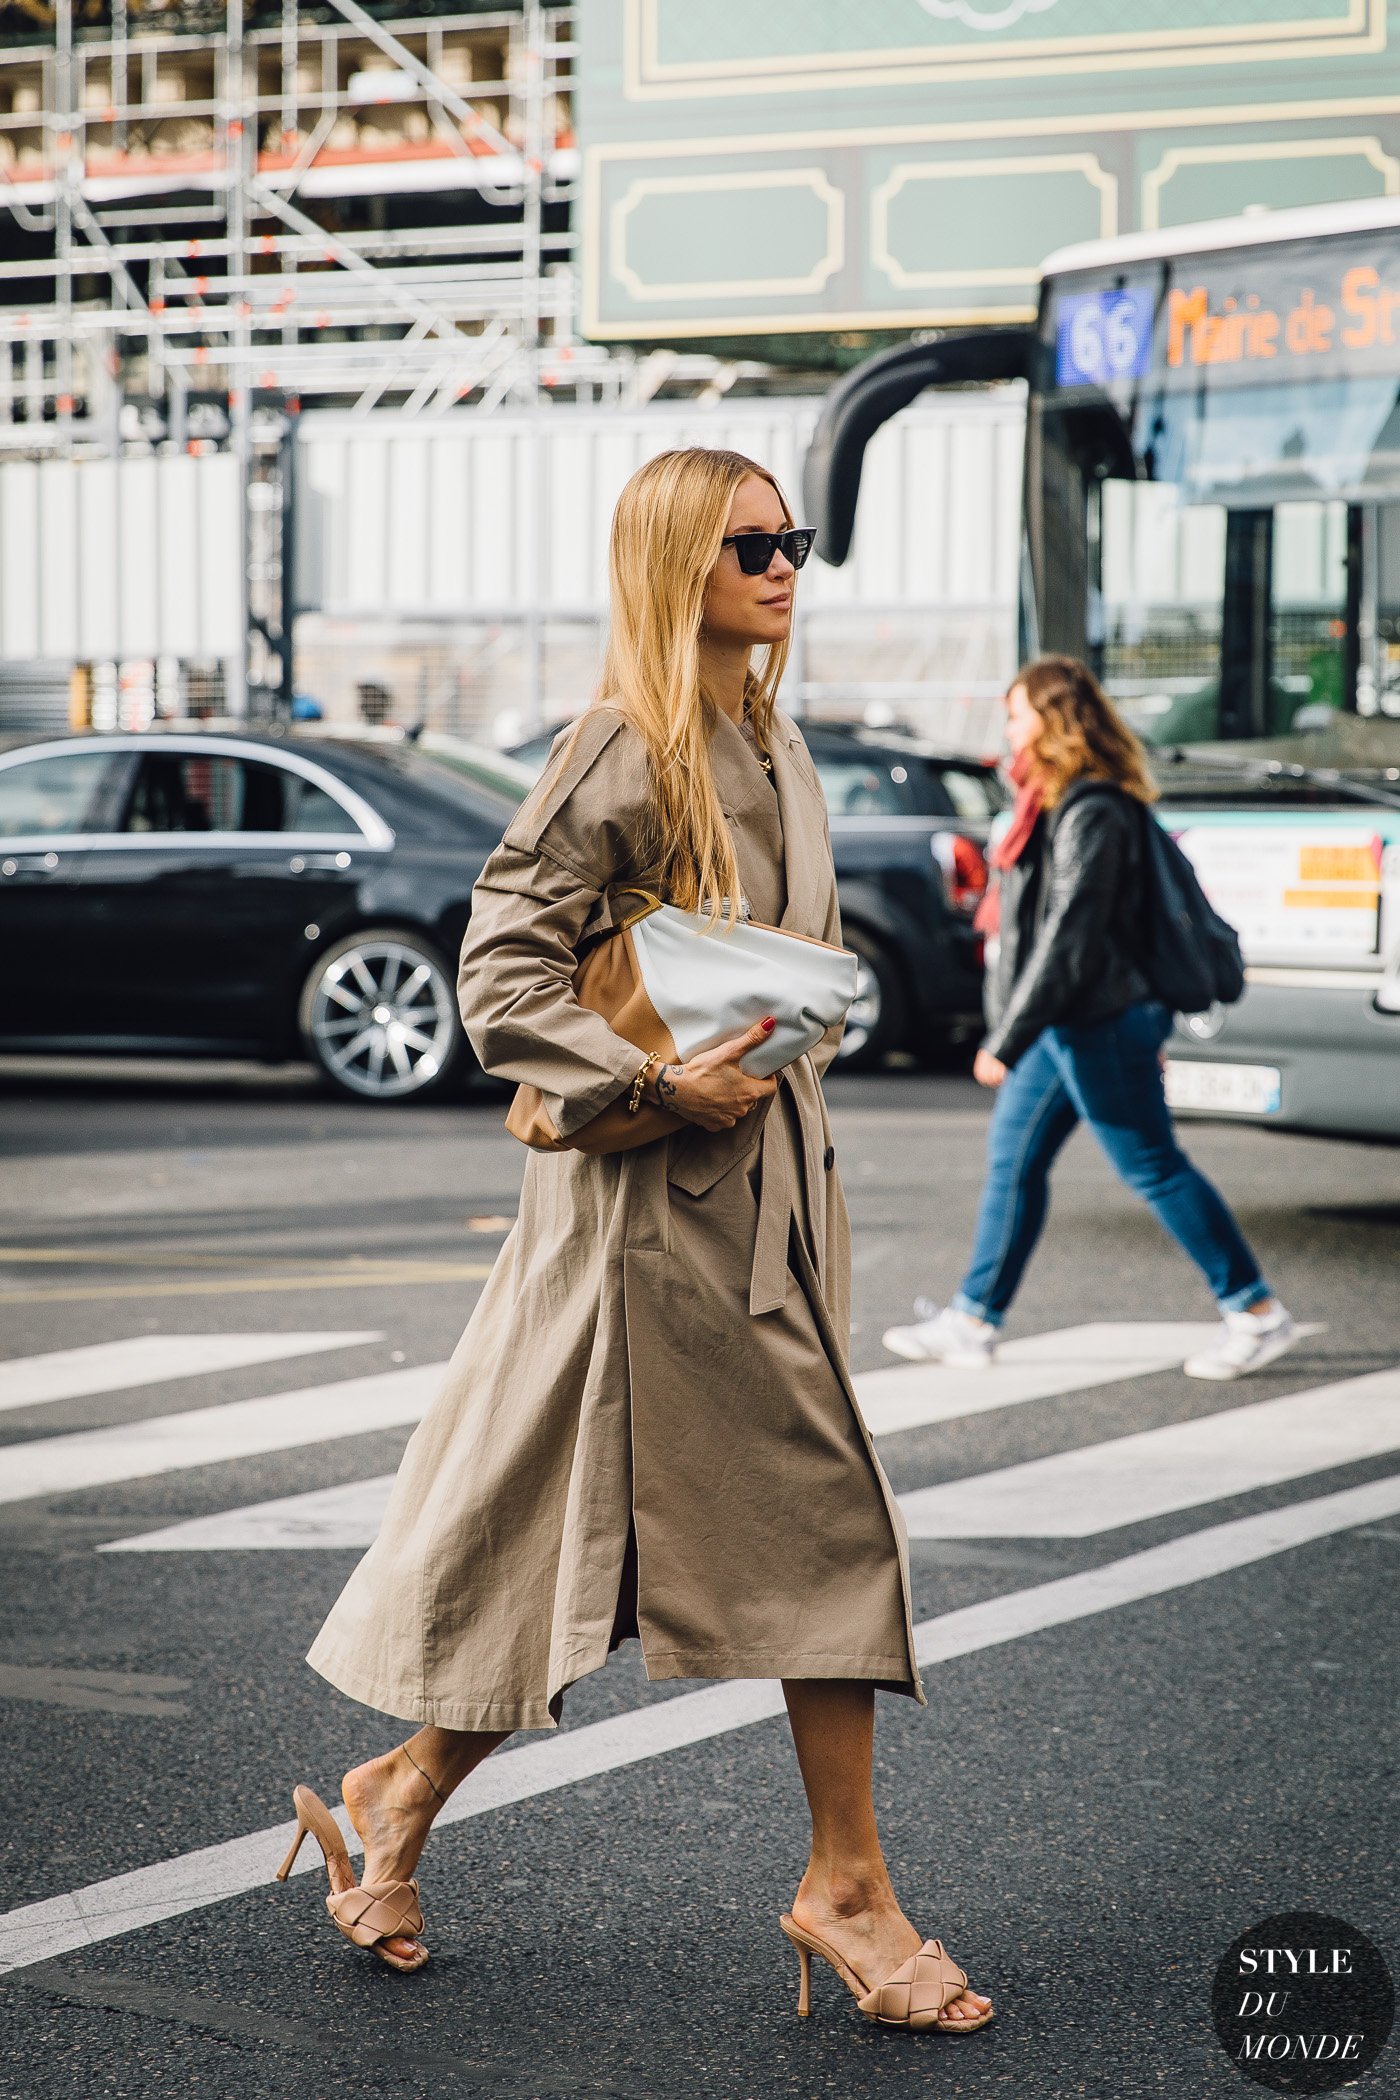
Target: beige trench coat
{"x": 648, "y": 1426}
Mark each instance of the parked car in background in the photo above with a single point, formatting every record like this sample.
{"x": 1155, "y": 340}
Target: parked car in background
{"x": 228, "y": 894}
{"x": 199, "y": 894}
{"x": 909, "y": 827}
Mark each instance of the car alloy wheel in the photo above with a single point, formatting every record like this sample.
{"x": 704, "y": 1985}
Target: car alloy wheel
{"x": 379, "y": 1017}
{"x": 875, "y": 1020}
{"x": 863, "y": 1014}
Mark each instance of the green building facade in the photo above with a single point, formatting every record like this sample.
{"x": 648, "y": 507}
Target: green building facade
{"x": 847, "y": 169}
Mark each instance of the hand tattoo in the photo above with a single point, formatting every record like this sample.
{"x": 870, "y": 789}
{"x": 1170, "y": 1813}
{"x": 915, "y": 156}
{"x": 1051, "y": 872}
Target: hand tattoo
{"x": 666, "y": 1085}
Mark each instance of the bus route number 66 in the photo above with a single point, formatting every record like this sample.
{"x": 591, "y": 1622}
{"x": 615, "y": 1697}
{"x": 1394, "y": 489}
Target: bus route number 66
{"x": 1103, "y": 336}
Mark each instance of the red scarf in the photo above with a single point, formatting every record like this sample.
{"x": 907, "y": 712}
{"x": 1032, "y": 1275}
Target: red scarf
{"x": 1014, "y": 840}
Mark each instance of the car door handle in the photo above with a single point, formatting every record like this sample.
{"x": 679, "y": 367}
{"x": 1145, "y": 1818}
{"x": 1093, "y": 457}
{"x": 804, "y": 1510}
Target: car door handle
{"x": 319, "y": 863}
{"x": 29, "y": 864}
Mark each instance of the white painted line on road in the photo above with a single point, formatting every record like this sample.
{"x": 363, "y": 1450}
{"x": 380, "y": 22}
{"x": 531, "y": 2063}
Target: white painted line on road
{"x": 89, "y": 1458}
{"x": 148, "y": 1359}
{"x": 1156, "y": 1472}
{"x": 128, "y": 1902}
{"x": 1033, "y": 1369}
{"x": 906, "y": 1396}
{"x": 326, "y": 1519}
{"x": 339, "y": 1518}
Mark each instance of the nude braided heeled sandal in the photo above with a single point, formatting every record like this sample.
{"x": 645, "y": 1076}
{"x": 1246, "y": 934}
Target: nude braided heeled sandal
{"x": 371, "y": 1912}
{"x": 913, "y": 1995}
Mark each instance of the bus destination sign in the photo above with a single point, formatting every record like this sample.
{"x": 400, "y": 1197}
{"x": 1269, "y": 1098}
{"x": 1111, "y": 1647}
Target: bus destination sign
{"x": 1101, "y": 337}
{"x": 1245, "y": 317}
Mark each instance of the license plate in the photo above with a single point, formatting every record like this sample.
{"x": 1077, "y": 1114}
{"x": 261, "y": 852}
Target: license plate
{"x": 1244, "y": 1090}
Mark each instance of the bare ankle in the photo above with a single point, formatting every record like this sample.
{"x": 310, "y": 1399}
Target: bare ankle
{"x": 845, "y": 1893}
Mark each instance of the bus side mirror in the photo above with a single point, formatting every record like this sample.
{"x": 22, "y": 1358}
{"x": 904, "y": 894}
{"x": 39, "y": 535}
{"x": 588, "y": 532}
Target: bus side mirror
{"x": 874, "y": 391}
{"x": 1100, "y": 441}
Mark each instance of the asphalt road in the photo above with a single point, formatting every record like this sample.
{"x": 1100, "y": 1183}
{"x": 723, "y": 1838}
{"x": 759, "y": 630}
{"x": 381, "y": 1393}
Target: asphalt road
{"x": 1089, "y": 1813}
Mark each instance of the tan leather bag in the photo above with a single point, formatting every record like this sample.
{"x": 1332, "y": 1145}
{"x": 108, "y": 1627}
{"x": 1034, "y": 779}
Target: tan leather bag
{"x": 607, "y": 982}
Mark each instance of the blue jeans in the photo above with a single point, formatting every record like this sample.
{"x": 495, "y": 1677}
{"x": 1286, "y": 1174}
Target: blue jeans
{"x": 1107, "y": 1073}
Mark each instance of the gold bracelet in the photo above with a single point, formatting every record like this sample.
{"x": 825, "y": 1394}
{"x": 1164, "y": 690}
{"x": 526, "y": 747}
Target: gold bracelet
{"x": 638, "y": 1083}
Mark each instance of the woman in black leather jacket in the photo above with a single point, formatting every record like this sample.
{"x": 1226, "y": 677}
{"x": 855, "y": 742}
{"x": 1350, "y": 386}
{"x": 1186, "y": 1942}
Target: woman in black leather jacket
{"x": 1075, "y": 1032}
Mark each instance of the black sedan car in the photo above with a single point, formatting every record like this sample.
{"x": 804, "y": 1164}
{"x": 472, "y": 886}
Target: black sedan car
{"x": 241, "y": 895}
{"x": 909, "y": 827}
{"x": 237, "y": 895}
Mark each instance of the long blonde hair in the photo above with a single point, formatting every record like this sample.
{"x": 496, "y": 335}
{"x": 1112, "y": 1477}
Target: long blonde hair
{"x": 666, "y": 534}
{"x": 1082, "y": 735}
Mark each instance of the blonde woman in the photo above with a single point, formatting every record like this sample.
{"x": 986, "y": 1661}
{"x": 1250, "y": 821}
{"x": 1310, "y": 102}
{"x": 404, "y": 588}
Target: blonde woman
{"x": 649, "y": 1428}
{"x": 1076, "y": 1034}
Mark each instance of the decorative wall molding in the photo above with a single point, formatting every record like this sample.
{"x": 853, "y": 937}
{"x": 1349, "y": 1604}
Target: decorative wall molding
{"x": 887, "y": 273}
{"x": 1349, "y": 28}
{"x": 906, "y": 172}
{"x": 1221, "y": 154}
{"x": 644, "y": 187}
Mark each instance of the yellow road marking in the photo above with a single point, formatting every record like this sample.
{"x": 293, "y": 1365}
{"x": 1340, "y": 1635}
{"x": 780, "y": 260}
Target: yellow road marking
{"x": 362, "y": 1278}
{"x": 232, "y": 1260}
{"x": 104, "y": 1254}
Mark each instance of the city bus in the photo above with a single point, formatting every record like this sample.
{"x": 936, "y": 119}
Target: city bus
{"x": 1211, "y": 518}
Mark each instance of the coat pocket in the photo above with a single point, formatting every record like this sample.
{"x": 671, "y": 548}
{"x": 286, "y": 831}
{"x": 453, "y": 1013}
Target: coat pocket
{"x": 700, "y": 1158}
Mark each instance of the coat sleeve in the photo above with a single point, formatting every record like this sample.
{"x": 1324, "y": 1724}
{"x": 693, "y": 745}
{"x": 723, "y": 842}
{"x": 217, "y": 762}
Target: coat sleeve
{"x": 1087, "y": 857}
{"x": 573, "y": 838}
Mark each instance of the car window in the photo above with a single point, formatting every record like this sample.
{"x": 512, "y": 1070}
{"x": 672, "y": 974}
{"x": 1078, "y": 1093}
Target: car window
{"x": 318, "y": 811}
{"x": 975, "y": 795}
{"x": 863, "y": 787}
{"x": 500, "y": 772}
{"x": 535, "y": 750}
{"x": 189, "y": 791}
{"x": 41, "y": 797}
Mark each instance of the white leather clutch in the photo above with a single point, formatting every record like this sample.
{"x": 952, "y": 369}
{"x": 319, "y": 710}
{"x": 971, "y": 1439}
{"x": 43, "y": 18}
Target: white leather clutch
{"x": 709, "y": 983}
{"x": 673, "y": 984}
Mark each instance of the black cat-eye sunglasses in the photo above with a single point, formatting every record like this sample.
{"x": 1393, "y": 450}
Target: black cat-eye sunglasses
{"x": 756, "y": 549}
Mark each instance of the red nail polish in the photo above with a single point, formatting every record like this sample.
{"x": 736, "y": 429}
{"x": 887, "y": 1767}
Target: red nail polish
{"x": 769, "y": 1024}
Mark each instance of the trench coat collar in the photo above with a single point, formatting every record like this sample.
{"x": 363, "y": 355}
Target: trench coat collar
{"x": 739, "y": 779}
{"x": 806, "y": 858}
{"x": 743, "y": 788}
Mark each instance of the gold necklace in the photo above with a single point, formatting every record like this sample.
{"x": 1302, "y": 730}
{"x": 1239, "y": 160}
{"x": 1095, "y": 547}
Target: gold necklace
{"x": 759, "y": 753}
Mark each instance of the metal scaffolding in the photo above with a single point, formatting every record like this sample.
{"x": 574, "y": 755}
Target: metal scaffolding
{"x": 218, "y": 215}
{"x": 258, "y": 208}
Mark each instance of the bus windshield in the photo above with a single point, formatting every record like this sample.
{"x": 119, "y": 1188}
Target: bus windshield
{"x": 1238, "y": 570}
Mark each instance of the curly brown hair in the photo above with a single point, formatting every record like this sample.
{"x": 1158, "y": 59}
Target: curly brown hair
{"x": 1083, "y": 736}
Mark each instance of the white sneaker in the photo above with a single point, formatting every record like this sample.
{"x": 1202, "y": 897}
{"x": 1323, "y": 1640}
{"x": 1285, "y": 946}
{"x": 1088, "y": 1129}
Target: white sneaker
{"x": 1247, "y": 1342}
{"x": 943, "y": 1337}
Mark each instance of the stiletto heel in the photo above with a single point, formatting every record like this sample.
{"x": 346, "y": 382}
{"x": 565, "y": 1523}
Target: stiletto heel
{"x": 368, "y": 1913}
{"x": 915, "y": 1995}
{"x": 804, "y": 1988}
{"x": 290, "y": 1861}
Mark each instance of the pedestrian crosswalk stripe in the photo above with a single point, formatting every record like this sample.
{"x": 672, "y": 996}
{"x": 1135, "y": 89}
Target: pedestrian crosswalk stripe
{"x": 150, "y": 1359}
{"x": 62, "y": 1465}
{"x": 893, "y": 1399}
{"x": 126, "y": 1903}
{"x": 347, "y": 1516}
{"x": 1156, "y": 1472}
{"x": 907, "y": 1396}
{"x": 1072, "y": 1495}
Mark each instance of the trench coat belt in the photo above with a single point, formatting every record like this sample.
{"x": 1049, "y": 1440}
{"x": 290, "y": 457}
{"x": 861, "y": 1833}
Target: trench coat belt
{"x": 768, "y": 1277}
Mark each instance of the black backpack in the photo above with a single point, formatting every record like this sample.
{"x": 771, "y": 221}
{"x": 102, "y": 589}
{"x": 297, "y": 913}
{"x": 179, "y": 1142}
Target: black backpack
{"x": 1191, "y": 956}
